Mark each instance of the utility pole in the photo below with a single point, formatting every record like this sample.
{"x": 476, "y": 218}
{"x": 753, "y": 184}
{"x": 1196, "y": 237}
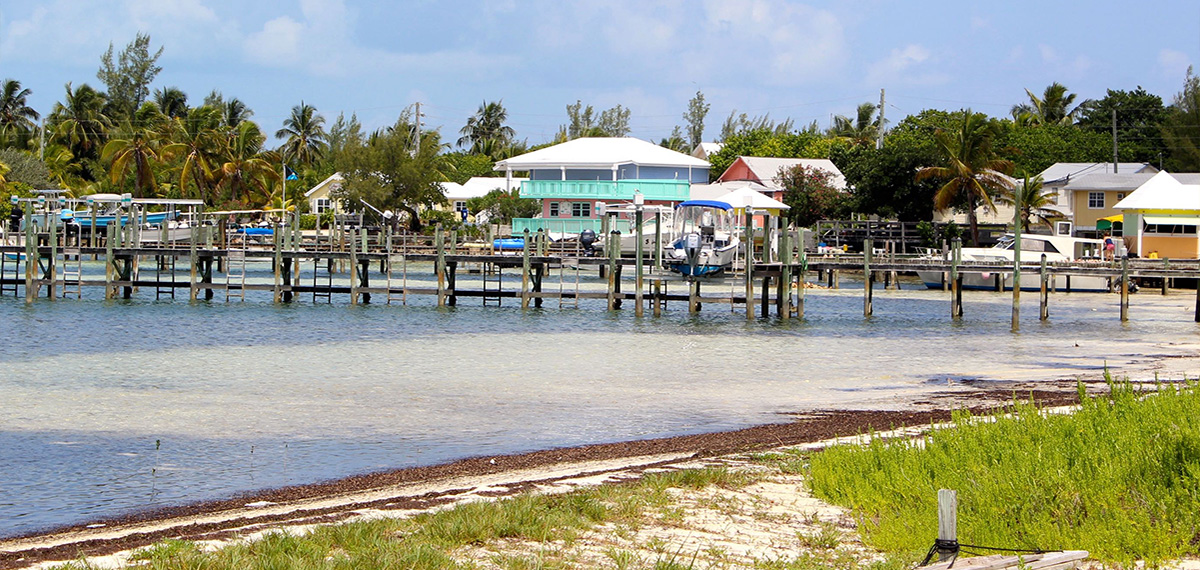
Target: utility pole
{"x": 418, "y": 133}
{"x": 1114, "y": 129}
{"x": 882, "y": 102}
{"x": 42, "y": 140}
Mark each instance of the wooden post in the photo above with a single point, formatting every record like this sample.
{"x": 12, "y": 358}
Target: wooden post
{"x": 783, "y": 301}
{"x": 1016, "y": 297}
{"x": 749, "y": 264}
{"x": 1045, "y": 294}
{"x": 52, "y": 269}
{"x": 947, "y": 522}
{"x": 800, "y": 285}
{"x": 658, "y": 245}
{"x": 1124, "y": 288}
{"x": 192, "y": 261}
{"x": 354, "y": 272}
{"x": 277, "y": 242}
{"x": 658, "y": 285}
{"x": 613, "y": 245}
{"x": 1165, "y": 281}
{"x": 109, "y": 290}
{"x": 955, "y": 281}
{"x": 525, "y": 272}
{"x": 868, "y": 285}
{"x": 439, "y": 267}
{"x": 31, "y": 254}
{"x": 638, "y": 273}
{"x": 694, "y": 297}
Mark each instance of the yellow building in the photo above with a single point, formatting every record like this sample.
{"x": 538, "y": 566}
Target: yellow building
{"x": 1092, "y": 197}
{"x": 1161, "y": 216}
{"x": 319, "y": 199}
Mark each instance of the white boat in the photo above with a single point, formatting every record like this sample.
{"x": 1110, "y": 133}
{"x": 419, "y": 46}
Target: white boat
{"x": 705, "y": 241}
{"x": 629, "y": 238}
{"x": 1057, "y": 248}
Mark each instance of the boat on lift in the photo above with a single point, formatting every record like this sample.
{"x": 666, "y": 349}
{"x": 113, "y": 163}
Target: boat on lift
{"x": 705, "y": 241}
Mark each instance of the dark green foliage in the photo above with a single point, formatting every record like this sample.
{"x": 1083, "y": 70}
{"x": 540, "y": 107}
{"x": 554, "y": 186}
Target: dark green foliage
{"x": 467, "y": 165}
{"x": 1140, "y": 116}
{"x": 128, "y": 78}
{"x": 1034, "y": 149}
{"x": 811, "y": 196}
{"x": 503, "y": 206}
{"x": 26, "y": 168}
{"x": 763, "y": 142}
{"x": 1181, "y": 133}
{"x": 884, "y": 181}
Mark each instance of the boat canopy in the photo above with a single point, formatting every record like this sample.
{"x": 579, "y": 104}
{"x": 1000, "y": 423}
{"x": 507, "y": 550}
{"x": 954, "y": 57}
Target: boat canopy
{"x": 705, "y": 204}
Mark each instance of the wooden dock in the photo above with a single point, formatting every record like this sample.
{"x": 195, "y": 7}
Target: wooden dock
{"x": 341, "y": 265}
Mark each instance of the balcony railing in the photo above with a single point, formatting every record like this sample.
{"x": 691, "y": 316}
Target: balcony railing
{"x": 563, "y": 225}
{"x": 669, "y": 190}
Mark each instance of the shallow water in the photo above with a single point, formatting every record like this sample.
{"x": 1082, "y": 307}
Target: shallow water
{"x": 112, "y": 407}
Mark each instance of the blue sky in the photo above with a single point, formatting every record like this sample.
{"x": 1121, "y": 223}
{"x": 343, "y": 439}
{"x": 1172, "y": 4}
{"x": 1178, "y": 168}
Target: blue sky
{"x": 802, "y": 60}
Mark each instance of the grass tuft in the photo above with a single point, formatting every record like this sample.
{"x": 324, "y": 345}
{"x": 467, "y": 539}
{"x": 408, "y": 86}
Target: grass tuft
{"x": 1119, "y": 478}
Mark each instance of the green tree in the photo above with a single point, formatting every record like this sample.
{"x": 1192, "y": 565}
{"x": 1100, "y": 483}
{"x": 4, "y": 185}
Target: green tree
{"x": 128, "y": 79}
{"x": 737, "y": 124}
{"x": 766, "y": 142}
{"x": 80, "y": 125}
{"x": 811, "y": 195}
{"x": 196, "y": 146}
{"x": 862, "y": 130}
{"x": 1033, "y": 149}
{"x": 463, "y": 166}
{"x": 1052, "y": 108}
{"x": 583, "y": 122}
{"x": 28, "y": 169}
{"x": 486, "y": 128}
{"x": 882, "y": 179}
{"x": 1140, "y": 116}
{"x": 1035, "y": 201}
{"x": 502, "y": 206}
{"x": 305, "y": 133}
{"x": 392, "y": 171}
{"x": 17, "y": 119}
{"x": 971, "y": 170}
{"x": 694, "y": 117}
{"x": 138, "y": 154}
{"x": 1181, "y": 131}
{"x": 675, "y": 142}
{"x": 248, "y": 170}
{"x": 171, "y": 101}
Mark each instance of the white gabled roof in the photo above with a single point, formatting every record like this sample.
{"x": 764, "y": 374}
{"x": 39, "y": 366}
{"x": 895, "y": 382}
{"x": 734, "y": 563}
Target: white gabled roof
{"x": 766, "y": 169}
{"x": 600, "y": 153}
{"x": 1063, "y": 172}
{"x": 1162, "y": 192}
{"x": 335, "y": 177}
{"x": 477, "y": 187}
{"x": 707, "y": 149}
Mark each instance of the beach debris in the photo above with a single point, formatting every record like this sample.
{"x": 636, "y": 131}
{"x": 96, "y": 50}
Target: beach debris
{"x": 259, "y": 504}
{"x": 97, "y": 525}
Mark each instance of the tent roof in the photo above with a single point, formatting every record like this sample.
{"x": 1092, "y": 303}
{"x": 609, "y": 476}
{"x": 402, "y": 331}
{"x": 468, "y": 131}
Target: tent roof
{"x": 744, "y": 196}
{"x": 1162, "y": 192}
{"x": 600, "y": 153}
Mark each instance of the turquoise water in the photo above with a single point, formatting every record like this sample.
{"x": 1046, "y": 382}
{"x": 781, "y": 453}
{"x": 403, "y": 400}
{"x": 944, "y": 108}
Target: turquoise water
{"x": 115, "y": 407}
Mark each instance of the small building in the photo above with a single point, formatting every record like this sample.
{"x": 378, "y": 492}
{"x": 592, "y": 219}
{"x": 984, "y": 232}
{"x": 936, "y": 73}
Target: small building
{"x": 705, "y": 150}
{"x": 1058, "y": 175}
{"x": 1162, "y": 216}
{"x": 572, "y": 177}
{"x": 765, "y": 171}
{"x": 1093, "y": 197}
{"x": 457, "y": 194}
{"x": 319, "y": 197}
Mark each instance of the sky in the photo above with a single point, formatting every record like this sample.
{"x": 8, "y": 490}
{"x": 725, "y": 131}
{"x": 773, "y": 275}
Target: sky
{"x": 801, "y": 60}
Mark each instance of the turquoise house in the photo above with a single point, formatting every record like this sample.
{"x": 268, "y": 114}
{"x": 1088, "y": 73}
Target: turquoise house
{"x": 571, "y": 178}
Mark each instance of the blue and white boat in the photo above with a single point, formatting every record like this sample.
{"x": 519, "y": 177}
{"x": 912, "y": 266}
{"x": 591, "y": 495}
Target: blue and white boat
{"x": 705, "y": 240}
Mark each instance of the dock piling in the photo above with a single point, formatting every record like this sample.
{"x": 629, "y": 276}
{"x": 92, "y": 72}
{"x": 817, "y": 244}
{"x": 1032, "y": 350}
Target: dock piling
{"x": 1044, "y": 301}
{"x": 868, "y": 279}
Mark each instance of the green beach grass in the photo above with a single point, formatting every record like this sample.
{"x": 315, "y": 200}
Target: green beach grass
{"x": 1119, "y": 478}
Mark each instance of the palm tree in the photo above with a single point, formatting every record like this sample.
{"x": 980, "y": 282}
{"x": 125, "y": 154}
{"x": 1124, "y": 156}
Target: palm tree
{"x": 972, "y": 171}
{"x": 863, "y": 130}
{"x": 247, "y": 168}
{"x": 487, "y": 124}
{"x": 306, "y": 139}
{"x": 197, "y": 143}
{"x": 172, "y": 101}
{"x": 139, "y": 152}
{"x": 234, "y": 112}
{"x": 1053, "y": 108}
{"x": 16, "y": 117}
{"x": 1035, "y": 203}
{"x": 80, "y": 122}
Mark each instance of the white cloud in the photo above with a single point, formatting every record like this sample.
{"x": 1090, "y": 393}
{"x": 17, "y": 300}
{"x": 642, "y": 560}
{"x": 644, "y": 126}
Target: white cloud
{"x": 1173, "y": 64}
{"x": 904, "y": 66}
{"x": 1057, "y": 64}
{"x": 324, "y": 43}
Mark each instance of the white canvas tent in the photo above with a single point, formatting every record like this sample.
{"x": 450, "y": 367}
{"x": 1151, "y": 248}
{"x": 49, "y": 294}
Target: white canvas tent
{"x": 745, "y": 196}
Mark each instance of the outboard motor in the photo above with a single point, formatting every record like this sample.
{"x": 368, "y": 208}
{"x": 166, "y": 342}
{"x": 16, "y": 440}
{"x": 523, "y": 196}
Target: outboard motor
{"x": 587, "y": 238}
{"x": 691, "y": 248}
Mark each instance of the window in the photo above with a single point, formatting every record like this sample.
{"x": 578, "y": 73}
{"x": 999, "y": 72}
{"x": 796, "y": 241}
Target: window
{"x": 581, "y": 209}
{"x": 322, "y": 205}
{"x": 554, "y": 212}
{"x": 1120, "y": 196}
{"x": 460, "y": 205}
{"x": 1170, "y": 229}
{"x": 1095, "y": 200}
